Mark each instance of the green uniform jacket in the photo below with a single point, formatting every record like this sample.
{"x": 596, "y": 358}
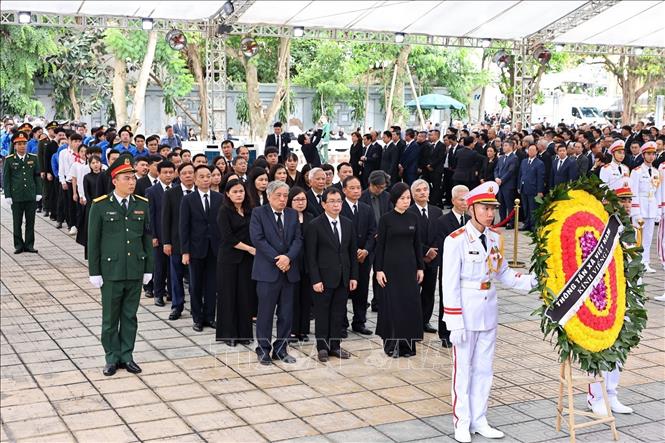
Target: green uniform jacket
{"x": 119, "y": 243}
{"x": 21, "y": 178}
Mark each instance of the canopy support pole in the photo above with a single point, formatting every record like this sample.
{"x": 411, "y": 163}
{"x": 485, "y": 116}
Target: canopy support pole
{"x": 415, "y": 97}
{"x": 389, "y": 110}
{"x": 216, "y": 83}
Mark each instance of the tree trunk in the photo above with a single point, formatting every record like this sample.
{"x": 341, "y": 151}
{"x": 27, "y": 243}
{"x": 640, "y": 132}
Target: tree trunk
{"x": 481, "y": 102}
{"x": 398, "y": 98}
{"x": 119, "y": 97}
{"x": 76, "y": 108}
{"x": 195, "y": 65}
{"x": 142, "y": 84}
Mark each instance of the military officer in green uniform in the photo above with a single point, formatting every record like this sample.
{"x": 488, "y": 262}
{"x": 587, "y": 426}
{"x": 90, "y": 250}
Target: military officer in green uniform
{"x": 22, "y": 191}
{"x": 119, "y": 261}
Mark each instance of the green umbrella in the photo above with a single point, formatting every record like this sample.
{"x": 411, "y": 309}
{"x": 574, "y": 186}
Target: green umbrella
{"x": 436, "y": 101}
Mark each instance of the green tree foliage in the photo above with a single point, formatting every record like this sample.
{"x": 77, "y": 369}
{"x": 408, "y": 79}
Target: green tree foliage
{"x": 77, "y": 66}
{"x": 23, "y": 52}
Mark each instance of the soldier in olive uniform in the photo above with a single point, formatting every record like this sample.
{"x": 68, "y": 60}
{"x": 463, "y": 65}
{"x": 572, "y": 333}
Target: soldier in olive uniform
{"x": 21, "y": 183}
{"x": 119, "y": 260}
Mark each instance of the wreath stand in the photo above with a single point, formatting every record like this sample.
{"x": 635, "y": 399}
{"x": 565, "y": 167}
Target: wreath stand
{"x": 568, "y": 382}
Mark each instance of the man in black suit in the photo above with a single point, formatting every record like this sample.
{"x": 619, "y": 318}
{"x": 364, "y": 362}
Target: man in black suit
{"x": 151, "y": 178}
{"x": 546, "y": 158}
{"x": 279, "y": 139}
{"x": 317, "y": 181}
{"x": 445, "y": 225}
{"x": 376, "y": 197}
{"x": 467, "y": 164}
{"x": 275, "y": 233}
{"x": 434, "y": 168}
{"x": 171, "y": 236}
{"x": 370, "y": 158}
{"x": 450, "y": 141}
{"x": 583, "y": 165}
{"x": 390, "y": 157}
{"x": 155, "y": 195}
{"x": 199, "y": 242}
{"x": 331, "y": 250}
{"x": 564, "y": 168}
{"x": 531, "y": 184}
{"x": 344, "y": 170}
{"x": 427, "y": 224}
{"x": 364, "y": 226}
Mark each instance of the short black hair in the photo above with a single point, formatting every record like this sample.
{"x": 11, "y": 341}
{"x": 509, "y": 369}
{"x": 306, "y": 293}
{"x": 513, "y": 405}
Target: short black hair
{"x": 75, "y": 136}
{"x": 153, "y": 137}
{"x": 343, "y": 164}
{"x": 348, "y": 179}
{"x": 277, "y": 125}
{"x": 165, "y": 164}
{"x": 330, "y": 191}
{"x": 185, "y": 150}
{"x": 160, "y": 147}
{"x": 271, "y": 150}
{"x": 139, "y": 136}
{"x": 227, "y": 141}
{"x": 397, "y": 190}
{"x": 200, "y": 154}
{"x": 155, "y": 158}
{"x": 240, "y": 147}
{"x": 142, "y": 159}
{"x": 183, "y": 166}
{"x": 410, "y": 132}
{"x": 328, "y": 167}
{"x": 172, "y": 154}
{"x": 167, "y": 127}
{"x": 387, "y": 133}
{"x": 196, "y": 169}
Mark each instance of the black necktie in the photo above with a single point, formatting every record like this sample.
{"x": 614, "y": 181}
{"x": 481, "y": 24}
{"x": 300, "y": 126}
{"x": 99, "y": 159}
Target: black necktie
{"x": 167, "y": 188}
{"x": 355, "y": 208}
{"x": 620, "y": 171}
{"x": 154, "y": 182}
{"x": 482, "y": 240}
{"x": 188, "y": 191}
{"x": 424, "y": 212}
{"x": 335, "y": 231}
{"x": 461, "y": 220}
{"x": 123, "y": 203}
{"x": 206, "y": 203}
{"x": 280, "y": 225}
{"x": 649, "y": 169}
{"x": 318, "y": 198}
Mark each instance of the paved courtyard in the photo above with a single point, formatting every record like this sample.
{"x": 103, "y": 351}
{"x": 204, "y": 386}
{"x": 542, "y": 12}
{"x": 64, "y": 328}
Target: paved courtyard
{"x": 194, "y": 389}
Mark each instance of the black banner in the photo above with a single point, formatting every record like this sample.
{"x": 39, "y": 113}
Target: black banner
{"x": 578, "y": 288}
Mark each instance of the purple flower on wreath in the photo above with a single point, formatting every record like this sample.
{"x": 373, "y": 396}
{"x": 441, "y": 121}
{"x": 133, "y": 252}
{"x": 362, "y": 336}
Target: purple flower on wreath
{"x": 598, "y": 295}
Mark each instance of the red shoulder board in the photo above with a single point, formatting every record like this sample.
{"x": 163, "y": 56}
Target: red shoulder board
{"x": 495, "y": 230}
{"x": 458, "y": 232}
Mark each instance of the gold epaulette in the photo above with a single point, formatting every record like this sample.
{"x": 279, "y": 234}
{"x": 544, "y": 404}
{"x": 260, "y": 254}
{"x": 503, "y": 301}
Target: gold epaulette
{"x": 10, "y": 156}
{"x": 458, "y": 232}
{"x": 141, "y": 197}
{"x": 98, "y": 199}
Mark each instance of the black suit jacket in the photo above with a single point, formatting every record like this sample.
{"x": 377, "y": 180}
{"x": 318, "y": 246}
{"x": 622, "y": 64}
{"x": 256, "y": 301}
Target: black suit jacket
{"x": 445, "y": 225}
{"x": 373, "y": 161}
{"x": 355, "y": 153}
{"x": 427, "y": 228}
{"x": 437, "y": 157}
{"x": 142, "y": 185}
{"x": 467, "y": 164}
{"x": 329, "y": 261}
{"x": 390, "y": 160}
{"x": 155, "y": 195}
{"x": 171, "y": 218}
{"x": 583, "y": 164}
{"x": 566, "y": 173}
{"x": 104, "y": 183}
{"x": 384, "y": 203}
{"x": 313, "y": 205}
{"x": 363, "y": 224}
{"x": 271, "y": 140}
{"x": 199, "y": 232}
{"x": 546, "y": 158}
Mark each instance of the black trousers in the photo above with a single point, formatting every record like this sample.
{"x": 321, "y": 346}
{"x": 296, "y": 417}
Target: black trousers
{"x": 27, "y": 210}
{"x": 202, "y": 288}
{"x": 447, "y": 186}
{"x": 377, "y": 291}
{"x": 427, "y": 289}
{"x": 506, "y": 197}
{"x": 436, "y": 196}
{"x": 70, "y": 206}
{"x": 271, "y": 295}
{"x": 61, "y": 211}
{"x": 80, "y": 215}
{"x": 444, "y": 333}
{"x": 51, "y": 196}
{"x": 160, "y": 271}
{"x": 302, "y": 306}
{"x": 234, "y": 288}
{"x": 329, "y": 309}
{"x": 528, "y": 205}
{"x": 359, "y": 296}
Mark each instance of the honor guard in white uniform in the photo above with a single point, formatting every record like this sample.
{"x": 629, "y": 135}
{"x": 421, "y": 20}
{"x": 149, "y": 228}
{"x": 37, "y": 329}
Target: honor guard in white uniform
{"x": 595, "y": 400}
{"x": 615, "y": 171}
{"x": 472, "y": 260}
{"x": 645, "y": 184}
{"x": 661, "y": 225}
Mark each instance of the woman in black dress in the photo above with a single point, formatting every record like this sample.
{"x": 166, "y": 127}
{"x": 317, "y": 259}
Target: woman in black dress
{"x": 236, "y": 292}
{"x": 278, "y": 172}
{"x": 302, "y": 300}
{"x": 489, "y": 163}
{"x": 293, "y": 178}
{"x": 399, "y": 270}
{"x": 90, "y": 191}
{"x": 355, "y": 152}
{"x": 257, "y": 183}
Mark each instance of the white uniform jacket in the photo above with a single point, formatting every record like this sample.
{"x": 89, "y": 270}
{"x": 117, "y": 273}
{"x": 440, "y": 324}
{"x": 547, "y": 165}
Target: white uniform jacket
{"x": 469, "y": 294}
{"x": 644, "y": 184}
{"x": 612, "y": 172}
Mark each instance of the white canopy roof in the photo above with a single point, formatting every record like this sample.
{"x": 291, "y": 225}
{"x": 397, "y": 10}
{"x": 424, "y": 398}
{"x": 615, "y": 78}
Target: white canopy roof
{"x": 632, "y": 23}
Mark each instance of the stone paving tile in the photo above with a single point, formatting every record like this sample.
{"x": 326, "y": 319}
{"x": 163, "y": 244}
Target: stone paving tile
{"x": 194, "y": 389}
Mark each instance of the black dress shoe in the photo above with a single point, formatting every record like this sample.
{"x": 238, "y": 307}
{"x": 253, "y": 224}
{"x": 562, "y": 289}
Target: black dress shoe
{"x": 149, "y": 293}
{"x": 303, "y": 337}
{"x": 168, "y": 297}
{"x": 363, "y": 331}
{"x": 110, "y": 369}
{"x": 58, "y": 226}
{"x": 244, "y": 342}
{"x": 429, "y": 328}
{"x": 446, "y": 344}
{"x": 340, "y": 353}
{"x": 45, "y": 214}
{"x": 159, "y": 301}
{"x": 198, "y": 327}
{"x": 264, "y": 359}
{"x": 210, "y": 324}
{"x": 286, "y": 358}
{"x": 175, "y": 314}
{"x": 322, "y": 355}
{"x": 131, "y": 367}
{"x": 52, "y": 218}
{"x": 39, "y": 210}
{"x": 344, "y": 334}
{"x": 18, "y": 250}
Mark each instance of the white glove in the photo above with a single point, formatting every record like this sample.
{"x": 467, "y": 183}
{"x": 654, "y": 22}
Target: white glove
{"x": 147, "y": 278}
{"x": 96, "y": 281}
{"x": 9, "y": 201}
{"x": 457, "y": 336}
{"x": 39, "y": 197}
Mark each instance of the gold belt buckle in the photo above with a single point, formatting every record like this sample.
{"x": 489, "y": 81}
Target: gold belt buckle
{"x": 485, "y": 285}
